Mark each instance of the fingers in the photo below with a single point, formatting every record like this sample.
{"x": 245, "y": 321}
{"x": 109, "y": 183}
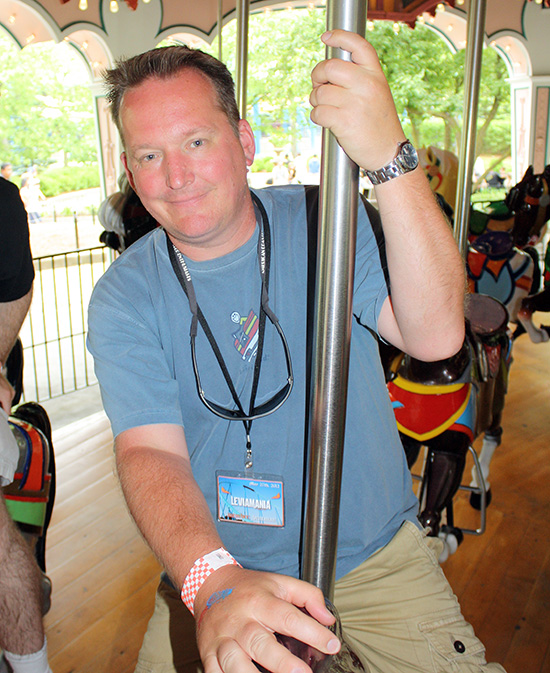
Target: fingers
{"x": 353, "y": 100}
{"x": 240, "y": 629}
{"x": 361, "y": 51}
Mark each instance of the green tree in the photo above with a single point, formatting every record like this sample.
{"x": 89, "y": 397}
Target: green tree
{"x": 45, "y": 108}
{"x": 284, "y": 46}
{"x": 425, "y": 76}
{"x": 427, "y": 81}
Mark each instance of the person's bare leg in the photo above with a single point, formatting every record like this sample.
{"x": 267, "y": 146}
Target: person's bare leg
{"x": 21, "y": 629}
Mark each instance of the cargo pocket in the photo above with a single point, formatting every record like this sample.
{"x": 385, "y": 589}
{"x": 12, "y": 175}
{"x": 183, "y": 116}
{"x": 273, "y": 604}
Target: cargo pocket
{"x": 453, "y": 645}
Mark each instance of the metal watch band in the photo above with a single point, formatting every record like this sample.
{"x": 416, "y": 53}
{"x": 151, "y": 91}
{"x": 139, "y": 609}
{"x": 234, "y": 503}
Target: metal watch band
{"x": 397, "y": 165}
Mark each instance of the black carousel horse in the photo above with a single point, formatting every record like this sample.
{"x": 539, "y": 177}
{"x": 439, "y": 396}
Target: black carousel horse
{"x": 443, "y": 406}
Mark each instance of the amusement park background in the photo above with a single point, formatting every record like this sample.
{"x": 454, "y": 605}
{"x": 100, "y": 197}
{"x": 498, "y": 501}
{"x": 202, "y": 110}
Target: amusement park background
{"x": 54, "y": 122}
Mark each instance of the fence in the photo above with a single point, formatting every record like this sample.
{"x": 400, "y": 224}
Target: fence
{"x": 54, "y": 332}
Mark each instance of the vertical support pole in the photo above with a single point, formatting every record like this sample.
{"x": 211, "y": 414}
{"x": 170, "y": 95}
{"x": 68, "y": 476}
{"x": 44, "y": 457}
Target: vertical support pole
{"x": 332, "y": 332}
{"x": 242, "y": 53}
{"x": 472, "y": 75}
{"x": 220, "y": 26}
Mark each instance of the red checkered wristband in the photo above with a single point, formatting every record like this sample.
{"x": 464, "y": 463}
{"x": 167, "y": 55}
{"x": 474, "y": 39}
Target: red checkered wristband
{"x": 203, "y": 568}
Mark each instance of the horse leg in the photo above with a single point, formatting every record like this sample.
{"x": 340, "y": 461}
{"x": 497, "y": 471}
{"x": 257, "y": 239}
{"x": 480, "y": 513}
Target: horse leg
{"x": 493, "y": 435}
{"x": 443, "y": 475}
{"x": 411, "y": 447}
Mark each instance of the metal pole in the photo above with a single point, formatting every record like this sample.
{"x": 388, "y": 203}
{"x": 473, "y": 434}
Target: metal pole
{"x": 472, "y": 74}
{"x": 220, "y": 26}
{"x": 332, "y": 331}
{"x": 242, "y": 54}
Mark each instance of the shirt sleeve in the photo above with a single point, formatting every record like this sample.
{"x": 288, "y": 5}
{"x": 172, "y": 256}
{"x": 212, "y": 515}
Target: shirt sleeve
{"x": 16, "y": 266}
{"x": 137, "y": 384}
{"x": 371, "y": 286}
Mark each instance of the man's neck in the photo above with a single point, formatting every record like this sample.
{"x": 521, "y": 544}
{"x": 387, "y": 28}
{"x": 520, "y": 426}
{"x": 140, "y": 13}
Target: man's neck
{"x": 206, "y": 250}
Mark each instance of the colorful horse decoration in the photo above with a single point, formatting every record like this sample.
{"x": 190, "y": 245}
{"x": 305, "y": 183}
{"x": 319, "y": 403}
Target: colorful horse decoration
{"x": 502, "y": 261}
{"x": 30, "y": 497}
{"x": 441, "y": 169}
{"x": 443, "y": 406}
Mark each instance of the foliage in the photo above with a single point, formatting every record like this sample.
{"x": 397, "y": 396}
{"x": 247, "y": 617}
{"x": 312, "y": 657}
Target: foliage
{"x": 427, "y": 82}
{"x": 44, "y": 107}
{"x": 55, "y": 181}
{"x": 426, "y": 78}
{"x": 263, "y": 165}
{"x": 284, "y": 46}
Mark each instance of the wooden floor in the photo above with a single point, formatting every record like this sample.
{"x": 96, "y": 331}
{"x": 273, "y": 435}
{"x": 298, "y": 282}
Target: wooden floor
{"x": 104, "y": 577}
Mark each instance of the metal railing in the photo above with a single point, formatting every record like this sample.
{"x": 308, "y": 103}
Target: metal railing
{"x": 54, "y": 332}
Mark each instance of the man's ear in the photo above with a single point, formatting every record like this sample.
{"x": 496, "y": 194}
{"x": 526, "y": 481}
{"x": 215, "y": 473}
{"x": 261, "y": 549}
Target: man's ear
{"x": 246, "y": 136}
{"x": 128, "y": 171}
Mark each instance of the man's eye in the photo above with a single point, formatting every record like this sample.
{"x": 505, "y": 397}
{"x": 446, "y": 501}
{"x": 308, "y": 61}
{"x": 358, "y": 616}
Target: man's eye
{"x": 148, "y": 157}
{"x": 197, "y": 143}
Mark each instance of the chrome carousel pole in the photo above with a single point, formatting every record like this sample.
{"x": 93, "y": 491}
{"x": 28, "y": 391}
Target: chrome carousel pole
{"x": 243, "y": 7}
{"x": 220, "y": 27}
{"x": 332, "y": 332}
{"x": 330, "y": 365}
{"x": 472, "y": 75}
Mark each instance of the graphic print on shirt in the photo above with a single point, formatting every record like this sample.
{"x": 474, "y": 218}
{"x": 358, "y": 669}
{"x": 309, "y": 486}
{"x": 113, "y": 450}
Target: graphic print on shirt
{"x": 246, "y": 337}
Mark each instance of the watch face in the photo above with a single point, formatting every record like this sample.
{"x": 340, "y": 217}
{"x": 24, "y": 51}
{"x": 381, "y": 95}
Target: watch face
{"x": 408, "y": 157}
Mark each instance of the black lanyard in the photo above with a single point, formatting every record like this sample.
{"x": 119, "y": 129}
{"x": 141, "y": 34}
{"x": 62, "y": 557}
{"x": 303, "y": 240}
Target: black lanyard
{"x": 264, "y": 260}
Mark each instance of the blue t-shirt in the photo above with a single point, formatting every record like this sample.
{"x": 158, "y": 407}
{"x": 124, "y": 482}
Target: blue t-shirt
{"x": 139, "y": 321}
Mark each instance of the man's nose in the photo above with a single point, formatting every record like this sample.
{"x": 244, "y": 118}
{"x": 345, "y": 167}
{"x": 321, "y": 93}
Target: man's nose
{"x": 179, "y": 172}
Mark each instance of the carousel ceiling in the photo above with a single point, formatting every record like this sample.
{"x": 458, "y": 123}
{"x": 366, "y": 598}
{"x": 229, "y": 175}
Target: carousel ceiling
{"x": 105, "y": 29}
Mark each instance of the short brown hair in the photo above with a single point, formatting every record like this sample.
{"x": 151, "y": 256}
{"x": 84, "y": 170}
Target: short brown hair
{"x": 166, "y": 62}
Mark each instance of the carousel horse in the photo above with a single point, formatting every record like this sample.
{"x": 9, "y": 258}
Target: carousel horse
{"x": 502, "y": 261}
{"x": 441, "y": 169}
{"x": 30, "y": 497}
{"x": 444, "y": 406}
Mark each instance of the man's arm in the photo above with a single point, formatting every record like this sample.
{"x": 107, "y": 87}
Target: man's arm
{"x": 12, "y": 315}
{"x": 425, "y": 314}
{"x": 172, "y": 514}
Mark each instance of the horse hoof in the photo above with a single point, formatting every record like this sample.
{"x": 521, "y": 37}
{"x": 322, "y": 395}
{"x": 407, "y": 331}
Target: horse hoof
{"x": 475, "y": 499}
{"x": 452, "y": 538}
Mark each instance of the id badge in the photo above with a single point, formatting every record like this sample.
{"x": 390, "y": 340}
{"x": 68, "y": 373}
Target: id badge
{"x": 254, "y": 499}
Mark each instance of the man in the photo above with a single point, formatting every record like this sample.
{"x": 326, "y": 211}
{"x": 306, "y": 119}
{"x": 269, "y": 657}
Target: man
{"x": 210, "y": 434}
{"x": 21, "y": 631}
{"x": 6, "y": 170}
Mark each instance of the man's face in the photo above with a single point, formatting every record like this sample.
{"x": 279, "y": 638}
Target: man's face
{"x": 6, "y": 172}
{"x": 186, "y": 163}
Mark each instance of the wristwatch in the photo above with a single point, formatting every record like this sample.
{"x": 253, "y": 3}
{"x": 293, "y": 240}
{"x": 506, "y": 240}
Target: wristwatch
{"x": 405, "y": 160}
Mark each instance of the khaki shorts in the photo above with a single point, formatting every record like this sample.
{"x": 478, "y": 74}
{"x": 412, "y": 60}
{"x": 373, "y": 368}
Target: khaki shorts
{"x": 398, "y": 613}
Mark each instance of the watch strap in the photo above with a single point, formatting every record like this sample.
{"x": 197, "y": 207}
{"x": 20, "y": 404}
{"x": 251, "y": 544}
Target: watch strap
{"x": 393, "y": 169}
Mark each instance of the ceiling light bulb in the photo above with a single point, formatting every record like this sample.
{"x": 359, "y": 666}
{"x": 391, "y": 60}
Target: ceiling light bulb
{"x": 83, "y": 4}
{"x": 12, "y": 18}
{"x": 113, "y": 6}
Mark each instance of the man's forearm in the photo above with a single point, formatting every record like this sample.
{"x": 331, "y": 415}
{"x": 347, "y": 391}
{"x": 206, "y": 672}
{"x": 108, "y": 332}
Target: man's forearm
{"x": 12, "y": 315}
{"x": 168, "y": 507}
